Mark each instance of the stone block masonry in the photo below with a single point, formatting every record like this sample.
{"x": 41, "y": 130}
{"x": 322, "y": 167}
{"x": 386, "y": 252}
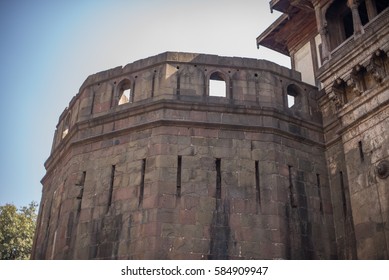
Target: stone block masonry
{"x": 177, "y": 171}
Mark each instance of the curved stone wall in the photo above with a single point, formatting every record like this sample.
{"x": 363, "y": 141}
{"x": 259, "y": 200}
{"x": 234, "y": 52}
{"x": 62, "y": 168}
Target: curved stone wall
{"x": 147, "y": 164}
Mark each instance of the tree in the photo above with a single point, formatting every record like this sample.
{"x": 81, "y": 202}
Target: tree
{"x": 17, "y": 231}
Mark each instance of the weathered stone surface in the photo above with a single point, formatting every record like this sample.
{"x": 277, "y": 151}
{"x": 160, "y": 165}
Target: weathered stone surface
{"x": 207, "y": 177}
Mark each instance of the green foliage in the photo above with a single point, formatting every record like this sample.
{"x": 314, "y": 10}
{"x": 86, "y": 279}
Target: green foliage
{"x": 17, "y": 231}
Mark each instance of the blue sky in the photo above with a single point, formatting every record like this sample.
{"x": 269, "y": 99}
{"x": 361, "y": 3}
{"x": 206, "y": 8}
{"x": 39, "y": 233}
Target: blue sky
{"x": 48, "y": 48}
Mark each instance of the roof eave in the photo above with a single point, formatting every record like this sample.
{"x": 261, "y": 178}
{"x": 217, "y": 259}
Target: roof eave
{"x": 266, "y": 38}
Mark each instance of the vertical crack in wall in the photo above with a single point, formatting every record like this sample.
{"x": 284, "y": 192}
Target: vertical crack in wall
{"x": 361, "y": 154}
{"x": 178, "y": 83}
{"x": 92, "y": 102}
{"x": 257, "y": 184}
{"x": 133, "y": 91}
{"x": 111, "y": 184}
{"x": 153, "y": 84}
{"x": 179, "y": 171}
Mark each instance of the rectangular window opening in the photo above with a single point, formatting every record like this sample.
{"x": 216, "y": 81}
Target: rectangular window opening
{"x": 81, "y": 184}
{"x": 217, "y": 88}
{"x": 83, "y": 178}
{"x": 361, "y": 154}
{"x": 179, "y": 168}
{"x": 132, "y": 96}
{"x": 152, "y": 84}
{"x": 343, "y": 190}
{"x": 81, "y": 194}
{"x": 178, "y": 84}
{"x": 218, "y": 179}
{"x": 257, "y": 186}
{"x": 93, "y": 103}
{"x": 142, "y": 182}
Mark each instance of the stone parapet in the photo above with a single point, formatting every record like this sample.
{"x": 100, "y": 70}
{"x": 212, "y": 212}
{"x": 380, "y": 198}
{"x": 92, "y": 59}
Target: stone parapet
{"x": 148, "y": 163}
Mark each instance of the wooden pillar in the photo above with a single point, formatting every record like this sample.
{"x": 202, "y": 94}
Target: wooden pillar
{"x": 323, "y": 31}
{"x": 371, "y": 9}
{"x": 292, "y": 60}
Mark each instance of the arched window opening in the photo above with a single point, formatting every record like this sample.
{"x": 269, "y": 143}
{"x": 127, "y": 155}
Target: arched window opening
{"x": 339, "y": 22}
{"x": 291, "y": 100}
{"x": 217, "y": 85}
{"x": 65, "y": 132}
{"x": 125, "y": 93}
{"x": 65, "y": 129}
{"x": 125, "y": 98}
{"x": 292, "y": 95}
